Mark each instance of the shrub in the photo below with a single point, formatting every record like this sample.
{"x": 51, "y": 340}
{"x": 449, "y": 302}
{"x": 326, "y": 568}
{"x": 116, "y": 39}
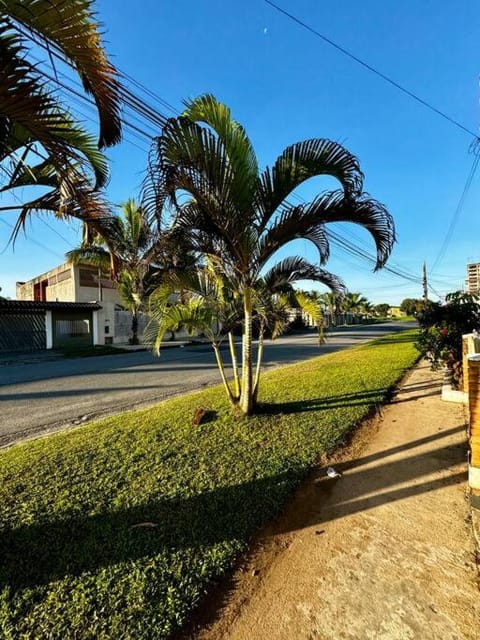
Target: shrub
{"x": 442, "y": 327}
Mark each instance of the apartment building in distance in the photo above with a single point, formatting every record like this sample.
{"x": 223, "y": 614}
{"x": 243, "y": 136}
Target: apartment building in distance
{"x": 473, "y": 277}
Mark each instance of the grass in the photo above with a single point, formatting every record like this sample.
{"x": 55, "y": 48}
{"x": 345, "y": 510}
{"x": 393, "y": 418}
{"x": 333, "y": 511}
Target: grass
{"x": 73, "y": 562}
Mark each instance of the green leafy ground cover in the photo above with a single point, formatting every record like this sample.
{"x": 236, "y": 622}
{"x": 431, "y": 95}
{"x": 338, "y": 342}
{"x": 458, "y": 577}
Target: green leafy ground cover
{"x": 72, "y": 562}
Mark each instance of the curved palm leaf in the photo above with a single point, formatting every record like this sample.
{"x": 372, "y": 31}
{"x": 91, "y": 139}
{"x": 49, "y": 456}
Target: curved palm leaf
{"x": 29, "y": 115}
{"x": 71, "y": 29}
{"x": 94, "y": 255}
{"x": 242, "y": 160}
{"x": 335, "y": 207}
{"x": 289, "y": 225}
{"x": 86, "y": 205}
{"x": 302, "y": 161}
{"x": 283, "y": 274}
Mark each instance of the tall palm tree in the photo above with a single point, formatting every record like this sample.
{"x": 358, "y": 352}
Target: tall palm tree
{"x": 40, "y": 142}
{"x": 130, "y": 248}
{"x": 240, "y": 216}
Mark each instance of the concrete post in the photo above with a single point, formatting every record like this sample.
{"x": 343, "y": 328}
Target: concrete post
{"x": 95, "y": 327}
{"x": 49, "y": 329}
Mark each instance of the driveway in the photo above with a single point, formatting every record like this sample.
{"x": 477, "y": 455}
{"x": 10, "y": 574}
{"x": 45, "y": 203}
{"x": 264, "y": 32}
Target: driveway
{"x": 51, "y": 394}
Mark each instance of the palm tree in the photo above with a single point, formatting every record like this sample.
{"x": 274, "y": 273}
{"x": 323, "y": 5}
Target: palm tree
{"x": 239, "y": 216}
{"x": 40, "y": 142}
{"x": 332, "y": 303}
{"x": 209, "y": 303}
{"x": 354, "y": 303}
{"x": 131, "y": 249}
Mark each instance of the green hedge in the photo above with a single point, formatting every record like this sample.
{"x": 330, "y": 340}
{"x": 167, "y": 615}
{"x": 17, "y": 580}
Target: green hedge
{"x": 72, "y": 562}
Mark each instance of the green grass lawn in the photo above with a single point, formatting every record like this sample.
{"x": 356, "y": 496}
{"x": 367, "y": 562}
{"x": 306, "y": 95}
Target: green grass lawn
{"x": 72, "y": 562}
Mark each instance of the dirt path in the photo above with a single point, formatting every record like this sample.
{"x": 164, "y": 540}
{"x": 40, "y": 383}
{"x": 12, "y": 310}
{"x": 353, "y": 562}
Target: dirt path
{"x": 383, "y": 553}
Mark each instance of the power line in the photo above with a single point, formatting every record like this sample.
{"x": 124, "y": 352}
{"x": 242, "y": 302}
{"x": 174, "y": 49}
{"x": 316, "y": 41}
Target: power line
{"x": 142, "y": 109}
{"x": 364, "y": 64}
{"x": 39, "y": 244}
{"x": 468, "y": 183}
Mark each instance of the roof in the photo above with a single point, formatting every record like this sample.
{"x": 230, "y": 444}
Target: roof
{"x": 36, "y": 305}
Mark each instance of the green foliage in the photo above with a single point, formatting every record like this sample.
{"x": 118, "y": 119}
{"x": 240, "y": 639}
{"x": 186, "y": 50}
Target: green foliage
{"x": 132, "y": 248}
{"x": 412, "y": 306}
{"x": 442, "y": 327}
{"x": 74, "y": 562}
{"x": 382, "y": 309}
{"x": 41, "y": 143}
{"x": 237, "y": 216}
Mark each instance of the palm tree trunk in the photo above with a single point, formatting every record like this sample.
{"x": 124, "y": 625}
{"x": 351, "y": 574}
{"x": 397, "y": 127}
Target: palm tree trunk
{"x": 246, "y": 398}
{"x": 259, "y": 366}
{"x": 233, "y": 355}
{"x": 221, "y": 368}
{"x": 321, "y": 329}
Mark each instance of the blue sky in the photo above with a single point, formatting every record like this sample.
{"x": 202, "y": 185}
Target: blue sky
{"x": 284, "y": 85}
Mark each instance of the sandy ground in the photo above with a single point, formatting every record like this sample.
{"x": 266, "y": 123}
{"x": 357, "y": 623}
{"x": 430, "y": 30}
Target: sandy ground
{"x": 385, "y": 552}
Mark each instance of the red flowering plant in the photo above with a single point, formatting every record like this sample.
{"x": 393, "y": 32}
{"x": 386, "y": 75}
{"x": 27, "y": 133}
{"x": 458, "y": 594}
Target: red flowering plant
{"x": 441, "y": 330}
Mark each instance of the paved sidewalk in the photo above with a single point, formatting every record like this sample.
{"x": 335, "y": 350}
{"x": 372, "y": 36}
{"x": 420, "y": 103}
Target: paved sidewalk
{"x": 386, "y": 552}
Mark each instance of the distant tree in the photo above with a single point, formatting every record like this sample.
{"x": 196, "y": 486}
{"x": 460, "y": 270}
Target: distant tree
{"x": 382, "y": 309}
{"x": 331, "y": 303}
{"x": 411, "y": 306}
{"x": 366, "y": 307}
{"x": 353, "y": 302}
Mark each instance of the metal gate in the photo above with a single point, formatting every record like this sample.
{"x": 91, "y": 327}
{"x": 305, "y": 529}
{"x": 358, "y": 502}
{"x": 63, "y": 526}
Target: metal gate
{"x": 22, "y": 331}
{"x": 72, "y": 329}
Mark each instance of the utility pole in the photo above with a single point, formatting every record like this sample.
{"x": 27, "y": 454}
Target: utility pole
{"x": 425, "y": 283}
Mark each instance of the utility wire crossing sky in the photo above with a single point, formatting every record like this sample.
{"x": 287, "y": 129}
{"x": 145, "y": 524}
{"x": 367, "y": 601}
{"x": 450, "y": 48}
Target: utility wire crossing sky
{"x": 281, "y": 100}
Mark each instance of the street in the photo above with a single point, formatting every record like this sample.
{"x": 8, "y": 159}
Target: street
{"x": 50, "y": 395}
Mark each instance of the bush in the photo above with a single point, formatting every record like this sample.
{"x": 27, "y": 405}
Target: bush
{"x": 442, "y": 327}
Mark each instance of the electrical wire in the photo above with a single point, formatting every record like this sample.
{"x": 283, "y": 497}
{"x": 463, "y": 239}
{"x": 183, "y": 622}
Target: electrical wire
{"x": 148, "y": 115}
{"x": 364, "y": 64}
{"x": 456, "y": 215}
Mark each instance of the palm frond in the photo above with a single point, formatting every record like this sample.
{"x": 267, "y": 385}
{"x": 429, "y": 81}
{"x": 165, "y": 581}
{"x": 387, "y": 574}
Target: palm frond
{"x": 239, "y": 150}
{"x": 301, "y": 161}
{"x": 283, "y": 274}
{"x": 83, "y": 203}
{"x": 192, "y": 315}
{"x": 292, "y": 223}
{"x": 93, "y": 255}
{"x": 363, "y": 210}
{"x": 72, "y": 30}
{"x": 39, "y": 117}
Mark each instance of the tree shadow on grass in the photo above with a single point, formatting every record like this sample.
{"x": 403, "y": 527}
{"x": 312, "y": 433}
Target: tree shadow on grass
{"x": 35, "y": 554}
{"x": 364, "y": 398}
{"x": 370, "y": 399}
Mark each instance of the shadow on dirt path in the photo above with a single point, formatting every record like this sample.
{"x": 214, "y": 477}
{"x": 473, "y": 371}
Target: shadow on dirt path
{"x": 385, "y": 551}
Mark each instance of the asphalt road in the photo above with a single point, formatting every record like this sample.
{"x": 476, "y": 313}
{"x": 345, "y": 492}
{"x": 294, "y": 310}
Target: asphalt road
{"x": 54, "y": 394}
